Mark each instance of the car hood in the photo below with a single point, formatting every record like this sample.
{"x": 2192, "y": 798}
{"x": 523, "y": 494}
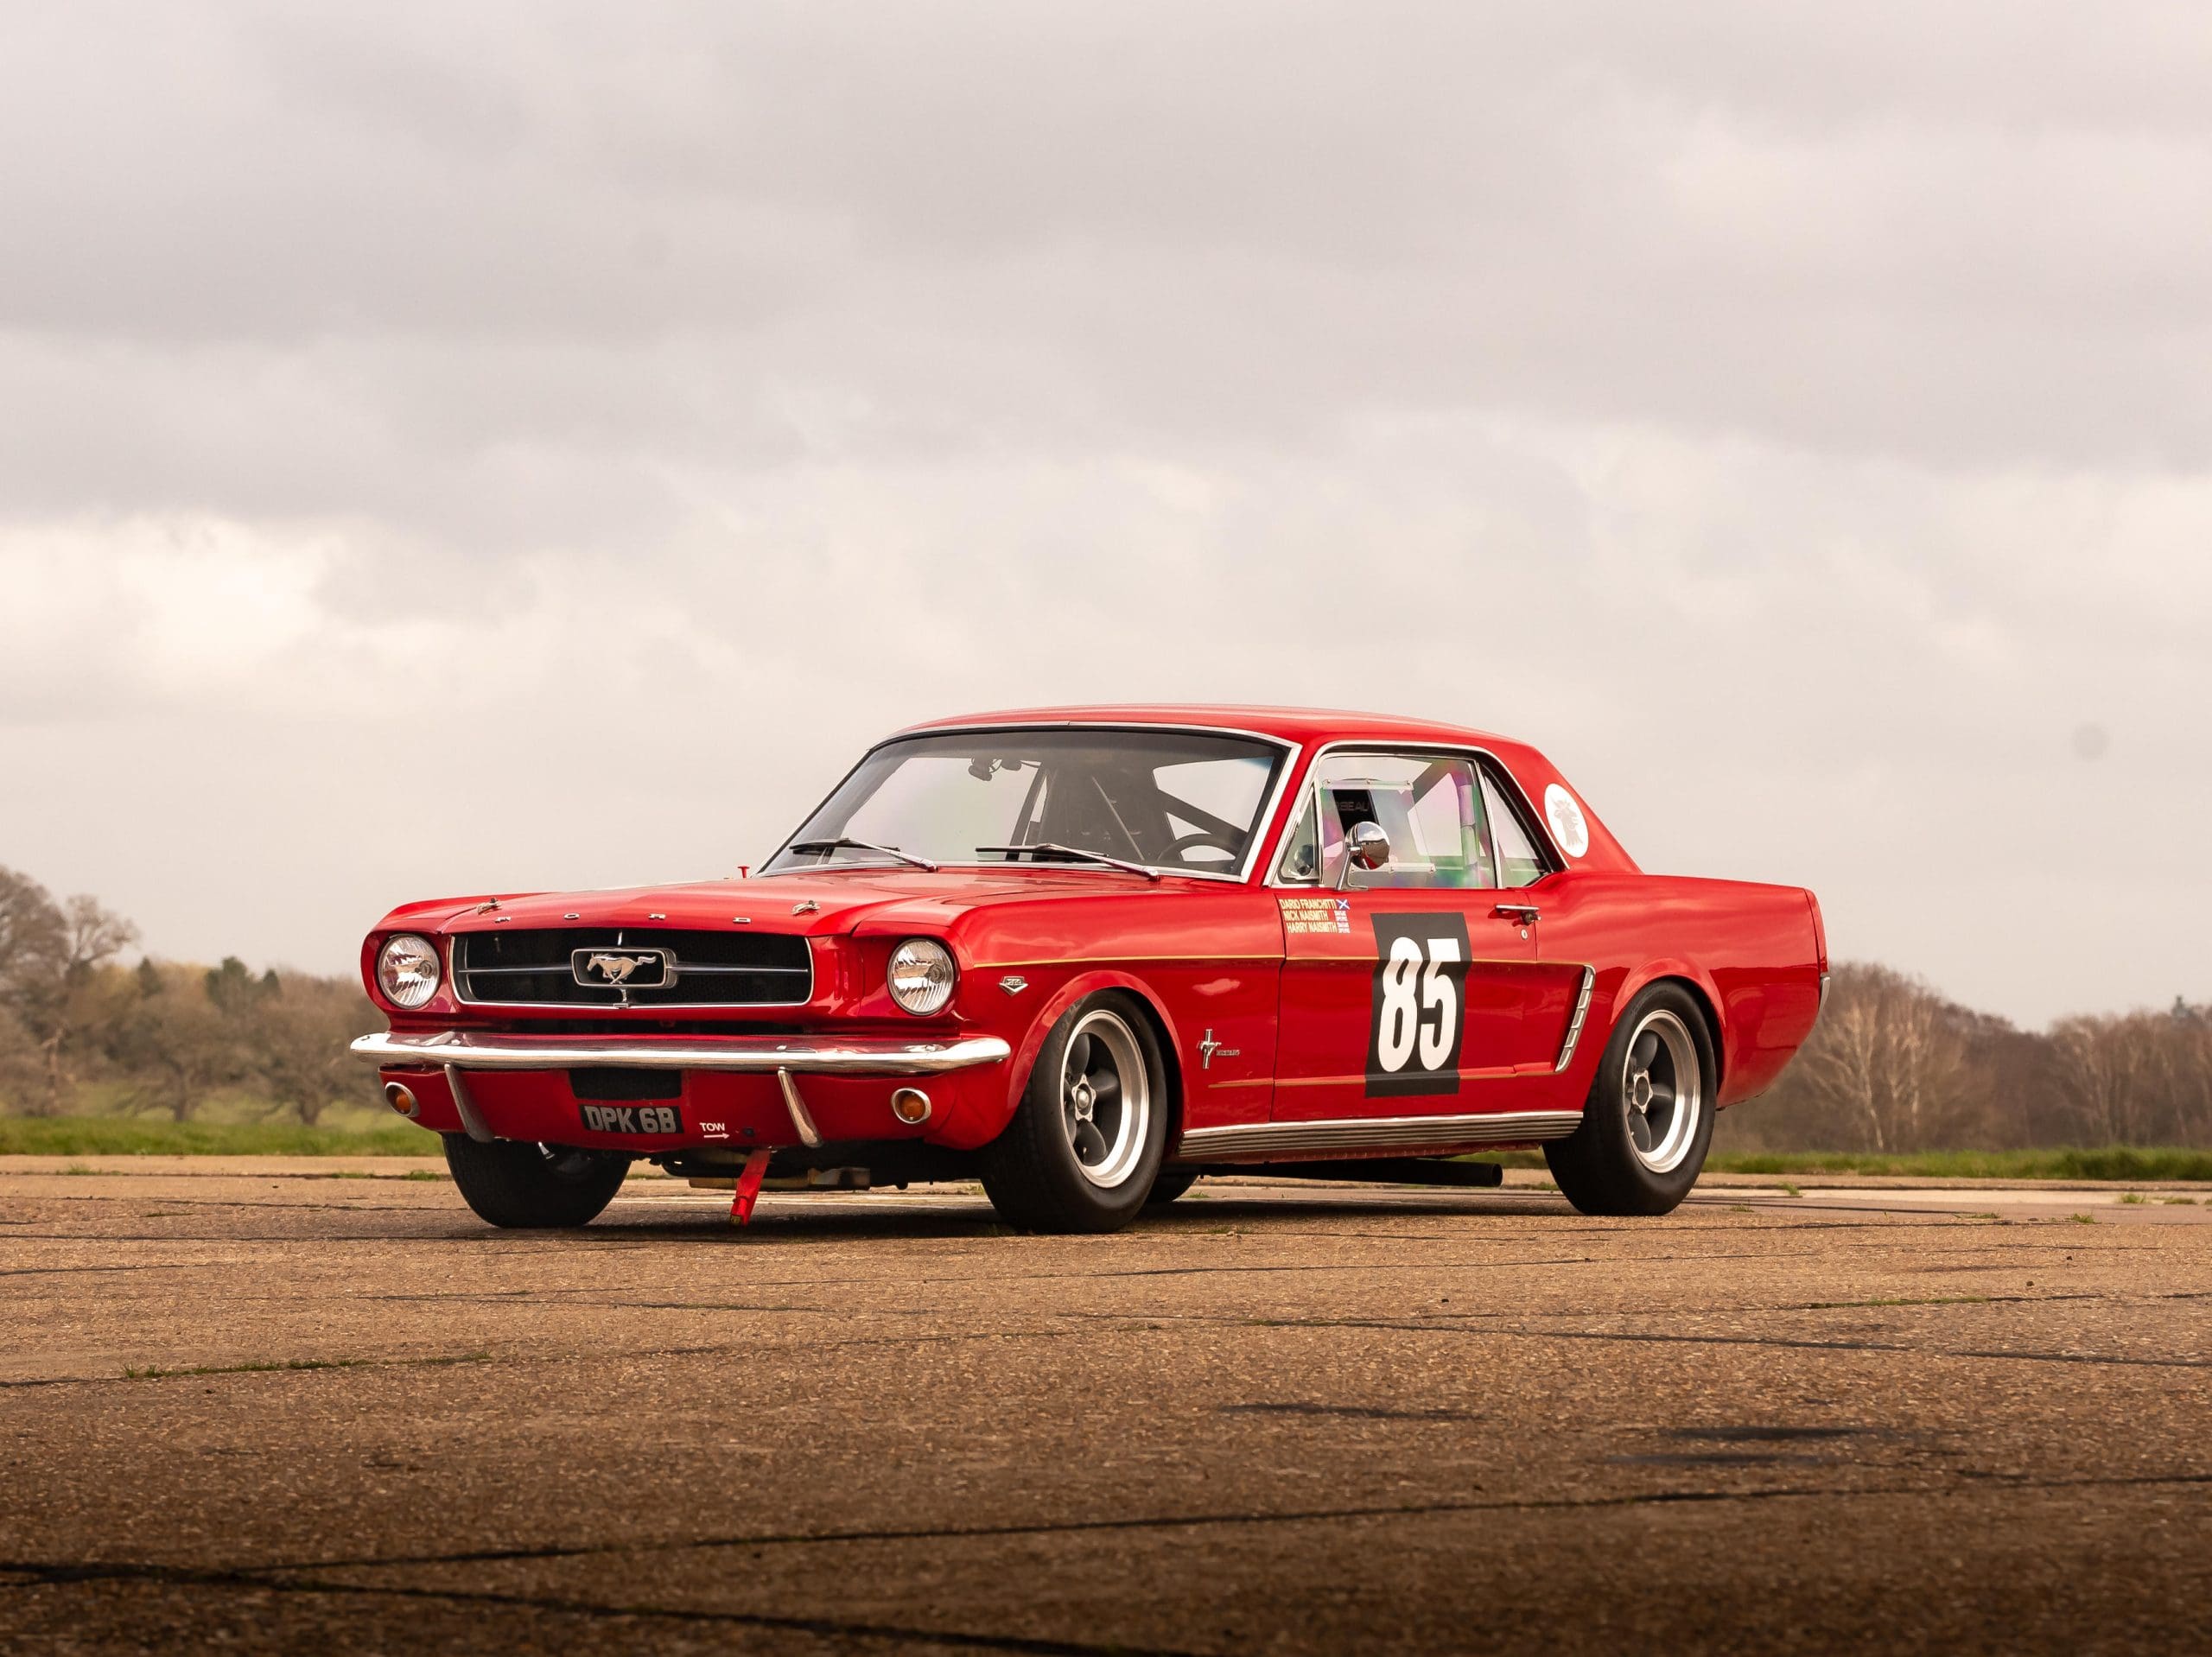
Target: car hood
{"x": 810, "y": 904}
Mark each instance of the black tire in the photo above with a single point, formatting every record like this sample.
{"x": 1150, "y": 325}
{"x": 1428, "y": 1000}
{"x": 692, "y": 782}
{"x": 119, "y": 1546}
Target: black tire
{"x": 1170, "y": 1184}
{"x": 522, "y": 1186}
{"x": 1626, "y": 1158}
{"x": 1034, "y": 1174}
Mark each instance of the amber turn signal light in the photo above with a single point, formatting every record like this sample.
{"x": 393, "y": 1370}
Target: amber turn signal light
{"x": 911, "y": 1106}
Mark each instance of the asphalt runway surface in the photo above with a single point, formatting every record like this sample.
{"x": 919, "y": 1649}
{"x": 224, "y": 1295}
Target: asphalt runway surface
{"x": 254, "y": 1407}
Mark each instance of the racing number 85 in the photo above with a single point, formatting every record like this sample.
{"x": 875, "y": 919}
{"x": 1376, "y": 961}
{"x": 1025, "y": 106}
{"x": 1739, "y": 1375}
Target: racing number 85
{"x": 1420, "y": 1004}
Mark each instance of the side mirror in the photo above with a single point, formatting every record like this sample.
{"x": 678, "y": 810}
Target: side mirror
{"x": 1366, "y": 844}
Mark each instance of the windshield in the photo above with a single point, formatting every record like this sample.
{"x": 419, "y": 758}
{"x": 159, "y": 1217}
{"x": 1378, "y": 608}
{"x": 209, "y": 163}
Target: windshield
{"x": 1182, "y": 803}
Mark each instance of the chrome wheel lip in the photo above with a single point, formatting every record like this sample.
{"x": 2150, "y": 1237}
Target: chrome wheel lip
{"x": 1674, "y": 1064}
{"x": 1131, "y": 1113}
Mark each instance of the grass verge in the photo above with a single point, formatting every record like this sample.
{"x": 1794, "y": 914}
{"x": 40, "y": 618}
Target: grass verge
{"x": 2117, "y": 1162}
{"x": 2122, "y": 1164}
{"x": 126, "y": 1136}
{"x": 113, "y": 1136}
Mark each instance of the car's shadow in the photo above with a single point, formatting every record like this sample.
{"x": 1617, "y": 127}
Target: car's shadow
{"x": 850, "y": 1215}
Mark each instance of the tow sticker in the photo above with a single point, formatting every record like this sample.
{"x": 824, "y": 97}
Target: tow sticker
{"x": 1420, "y": 1005}
{"x": 1301, "y": 914}
{"x": 1569, "y": 826}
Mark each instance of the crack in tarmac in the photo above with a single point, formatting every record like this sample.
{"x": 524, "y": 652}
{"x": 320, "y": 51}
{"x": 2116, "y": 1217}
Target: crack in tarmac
{"x": 1139, "y": 1322}
{"x": 1779, "y": 1342}
{"x": 280, "y": 1573}
{"x": 825, "y": 1627}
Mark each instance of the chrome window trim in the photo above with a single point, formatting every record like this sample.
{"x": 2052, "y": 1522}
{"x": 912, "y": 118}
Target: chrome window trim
{"x": 1392, "y": 1132}
{"x": 1263, "y": 826}
{"x": 453, "y": 977}
{"x": 1383, "y": 746}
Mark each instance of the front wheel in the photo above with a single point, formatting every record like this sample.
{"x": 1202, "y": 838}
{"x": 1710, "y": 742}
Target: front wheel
{"x": 1649, "y": 1119}
{"x": 1086, "y": 1141}
{"x": 512, "y": 1184}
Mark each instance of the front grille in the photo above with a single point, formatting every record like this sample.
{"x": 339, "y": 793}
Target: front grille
{"x": 505, "y": 969}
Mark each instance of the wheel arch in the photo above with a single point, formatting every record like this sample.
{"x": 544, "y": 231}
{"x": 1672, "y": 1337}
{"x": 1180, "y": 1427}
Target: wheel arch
{"x": 1080, "y": 988}
{"x": 1700, "y": 991}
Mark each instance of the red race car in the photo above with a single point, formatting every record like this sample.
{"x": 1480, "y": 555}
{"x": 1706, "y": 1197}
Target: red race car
{"x": 1085, "y": 955}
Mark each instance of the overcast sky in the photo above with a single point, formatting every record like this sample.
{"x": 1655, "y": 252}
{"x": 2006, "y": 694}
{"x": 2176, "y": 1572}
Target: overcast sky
{"x": 461, "y": 447}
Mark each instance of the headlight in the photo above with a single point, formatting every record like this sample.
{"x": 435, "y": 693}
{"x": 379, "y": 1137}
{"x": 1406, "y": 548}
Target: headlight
{"x": 922, "y": 976}
{"x": 407, "y": 970}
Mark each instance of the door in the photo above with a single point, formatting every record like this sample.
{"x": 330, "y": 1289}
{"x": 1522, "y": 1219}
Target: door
{"x": 1406, "y": 987}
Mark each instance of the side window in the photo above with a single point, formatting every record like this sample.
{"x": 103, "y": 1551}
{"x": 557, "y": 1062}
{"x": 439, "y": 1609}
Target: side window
{"x": 1430, "y": 806}
{"x": 1520, "y": 864}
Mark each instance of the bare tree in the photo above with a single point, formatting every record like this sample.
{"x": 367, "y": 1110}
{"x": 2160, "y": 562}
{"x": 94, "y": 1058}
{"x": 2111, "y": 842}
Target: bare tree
{"x": 302, "y": 1032}
{"x": 180, "y": 1045}
{"x": 19, "y": 1061}
{"x": 2137, "y": 1078}
{"x": 1888, "y": 1064}
{"x": 2102, "y": 1073}
{"x": 34, "y": 970}
{"x": 92, "y": 937}
{"x": 34, "y": 938}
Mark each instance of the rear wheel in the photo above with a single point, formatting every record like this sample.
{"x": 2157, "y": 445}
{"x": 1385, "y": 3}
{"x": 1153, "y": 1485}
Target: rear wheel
{"x": 1083, "y": 1147}
{"x": 516, "y": 1185}
{"x": 1649, "y": 1119}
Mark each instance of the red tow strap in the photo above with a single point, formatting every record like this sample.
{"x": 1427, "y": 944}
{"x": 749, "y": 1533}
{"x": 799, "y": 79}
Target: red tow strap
{"x": 748, "y": 1188}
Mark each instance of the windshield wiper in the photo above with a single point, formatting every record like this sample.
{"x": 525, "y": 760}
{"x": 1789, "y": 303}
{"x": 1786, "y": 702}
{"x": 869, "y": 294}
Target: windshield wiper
{"x": 1059, "y": 850}
{"x": 841, "y": 844}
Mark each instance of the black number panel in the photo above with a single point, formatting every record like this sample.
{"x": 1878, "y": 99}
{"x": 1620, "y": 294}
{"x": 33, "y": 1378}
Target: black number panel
{"x": 1420, "y": 1020}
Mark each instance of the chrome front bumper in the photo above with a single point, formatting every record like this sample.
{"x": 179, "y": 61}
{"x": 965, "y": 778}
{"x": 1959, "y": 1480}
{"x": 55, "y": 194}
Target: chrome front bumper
{"x": 759, "y": 1055}
{"x": 455, "y": 1052}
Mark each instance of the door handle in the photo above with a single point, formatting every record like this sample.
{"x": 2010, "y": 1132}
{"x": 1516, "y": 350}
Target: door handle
{"x": 1525, "y": 914}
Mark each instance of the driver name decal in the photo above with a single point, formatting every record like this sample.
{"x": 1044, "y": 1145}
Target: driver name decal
{"x": 1420, "y": 1018}
{"x": 1301, "y": 914}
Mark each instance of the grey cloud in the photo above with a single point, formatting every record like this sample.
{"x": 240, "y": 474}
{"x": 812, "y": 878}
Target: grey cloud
{"x": 1793, "y": 416}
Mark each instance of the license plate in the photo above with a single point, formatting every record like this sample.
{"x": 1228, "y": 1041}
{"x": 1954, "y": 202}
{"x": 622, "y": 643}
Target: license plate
{"x": 632, "y": 1119}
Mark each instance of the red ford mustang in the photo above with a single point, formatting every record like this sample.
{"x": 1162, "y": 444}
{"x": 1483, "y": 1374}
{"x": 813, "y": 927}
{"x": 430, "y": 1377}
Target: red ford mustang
{"x": 1086, "y": 955}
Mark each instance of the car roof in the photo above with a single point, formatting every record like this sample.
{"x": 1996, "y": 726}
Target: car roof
{"x": 1300, "y": 725}
{"x": 1306, "y": 728}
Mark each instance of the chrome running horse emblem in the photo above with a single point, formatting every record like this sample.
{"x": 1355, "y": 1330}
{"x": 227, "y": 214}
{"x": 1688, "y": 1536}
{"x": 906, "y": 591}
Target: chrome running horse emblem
{"x": 616, "y": 969}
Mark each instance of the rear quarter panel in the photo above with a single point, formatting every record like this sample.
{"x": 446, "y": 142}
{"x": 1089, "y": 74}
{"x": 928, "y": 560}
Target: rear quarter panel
{"x": 1750, "y": 951}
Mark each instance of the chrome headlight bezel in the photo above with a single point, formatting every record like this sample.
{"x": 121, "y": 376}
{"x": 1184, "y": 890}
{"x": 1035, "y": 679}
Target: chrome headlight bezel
{"x": 408, "y": 971}
{"x": 922, "y": 976}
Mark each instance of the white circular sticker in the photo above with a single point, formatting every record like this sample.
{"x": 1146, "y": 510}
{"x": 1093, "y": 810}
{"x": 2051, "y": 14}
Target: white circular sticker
{"x": 1569, "y": 826}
